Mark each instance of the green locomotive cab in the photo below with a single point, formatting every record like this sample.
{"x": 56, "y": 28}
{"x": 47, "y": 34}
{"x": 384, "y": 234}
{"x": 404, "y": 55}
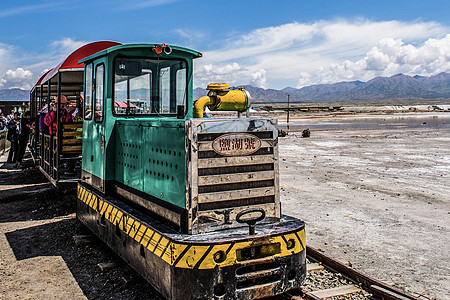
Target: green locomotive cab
{"x": 178, "y": 196}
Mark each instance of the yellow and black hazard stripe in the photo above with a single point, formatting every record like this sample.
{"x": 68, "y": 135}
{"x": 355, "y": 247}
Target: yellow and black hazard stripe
{"x": 182, "y": 255}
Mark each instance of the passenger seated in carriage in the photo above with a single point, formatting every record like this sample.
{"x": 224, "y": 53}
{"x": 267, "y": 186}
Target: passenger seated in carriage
{"x": 50, "y": 118}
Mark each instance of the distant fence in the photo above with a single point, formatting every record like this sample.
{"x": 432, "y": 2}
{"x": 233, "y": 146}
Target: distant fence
{"x": 4, "y": 143}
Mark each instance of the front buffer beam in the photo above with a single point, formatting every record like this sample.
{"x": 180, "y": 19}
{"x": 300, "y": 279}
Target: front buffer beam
{"x": 228, "y": 264}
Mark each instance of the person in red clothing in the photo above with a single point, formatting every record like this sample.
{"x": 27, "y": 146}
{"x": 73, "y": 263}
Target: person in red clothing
{"x": 50, "y": 117}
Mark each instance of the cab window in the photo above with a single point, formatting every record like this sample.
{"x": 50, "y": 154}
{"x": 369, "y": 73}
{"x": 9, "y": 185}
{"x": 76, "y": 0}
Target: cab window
{"x": 181, "y": 86}
{"x": 149, "y": 86}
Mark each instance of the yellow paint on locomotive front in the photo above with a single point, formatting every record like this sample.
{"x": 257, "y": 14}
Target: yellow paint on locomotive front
{"x": 192, "y": 256}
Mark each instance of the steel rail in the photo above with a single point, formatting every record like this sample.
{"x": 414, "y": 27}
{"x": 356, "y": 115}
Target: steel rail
{"x": 378, "y": 288}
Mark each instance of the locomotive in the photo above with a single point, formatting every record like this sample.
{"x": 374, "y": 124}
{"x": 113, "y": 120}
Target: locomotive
{"x": 191, "y": 203}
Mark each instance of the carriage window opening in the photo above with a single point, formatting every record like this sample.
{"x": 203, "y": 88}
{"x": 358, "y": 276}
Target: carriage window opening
{"x": 148, "y": 86}
{"x": 99, "y": 76}
{"x": 88, "y": 93}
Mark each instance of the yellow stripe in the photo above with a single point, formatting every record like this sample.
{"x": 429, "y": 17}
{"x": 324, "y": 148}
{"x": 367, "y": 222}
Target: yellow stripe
{"x": 297, "y": 246}
{"x": 134, "y": 229}
{"x": 191, "y": 257}
{"x": 85, "y": 195}
{"x": 108, "y": 211}
{"x": 141, "y": 231}
{"x": 105, "y": 206}
{"x": 112, "y": 216}
{"x": 118, "y": 218}
{"x": 99, "y": 204}
{"x": 148, "y": 234}
{"x": 82, "y": 195}
{"x": 177, "y": 250}
{"x": 161, "y": 246}
{"x": 89, "y": 199}
{"x": 209, "y": 263}
{"x": 302, "y": 236}
{"x": 123, "y": 223}
{"x": 279, "y": 239}
{"x": 94, "y": 203}
{"x": 167, "y": 256}
{"x": 152, "y": 245}
{"x": 232, "y": 254}
{"x": 169, "y": 251}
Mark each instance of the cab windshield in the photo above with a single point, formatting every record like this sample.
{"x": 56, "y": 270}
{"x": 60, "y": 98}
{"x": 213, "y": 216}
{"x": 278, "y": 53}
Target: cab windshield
{"x": 149, "y": 86}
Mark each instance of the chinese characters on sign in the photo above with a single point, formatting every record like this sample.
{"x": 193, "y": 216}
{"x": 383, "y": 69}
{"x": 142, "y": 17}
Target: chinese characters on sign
{"x": 236, "y": 144}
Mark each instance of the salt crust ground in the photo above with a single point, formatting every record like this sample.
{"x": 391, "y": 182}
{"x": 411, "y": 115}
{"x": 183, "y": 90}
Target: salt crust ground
{"x": 377, "y": 199}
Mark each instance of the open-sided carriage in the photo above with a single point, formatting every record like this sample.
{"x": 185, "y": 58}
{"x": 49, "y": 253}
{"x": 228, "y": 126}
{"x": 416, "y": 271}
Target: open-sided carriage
{"x": 58, "y": 155}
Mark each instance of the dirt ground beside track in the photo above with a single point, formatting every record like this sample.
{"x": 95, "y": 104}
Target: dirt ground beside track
{"x": 38, "y": 256}
{"x": 378, "y": 199}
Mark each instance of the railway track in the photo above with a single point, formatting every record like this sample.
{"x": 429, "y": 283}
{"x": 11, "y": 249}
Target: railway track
{"x": 329, "y": 278}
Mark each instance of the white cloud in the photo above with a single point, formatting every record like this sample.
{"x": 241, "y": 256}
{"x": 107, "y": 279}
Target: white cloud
{"x": 66, "y": 46}
{"x": 228, "y": 73}
{"x": 305, "y": 79}
{"x": 22, "y": 70}
{"x": 7, "y": 61}
{"x": 18, "y": 78}
{"x": 259, "y": 79}
{"x": 389, "y": 57}
{"x": 328, "y": 51}
{"x": 190, "y": 37}
{"x": 18, "y": 74}
{"x": 293, "y": 54}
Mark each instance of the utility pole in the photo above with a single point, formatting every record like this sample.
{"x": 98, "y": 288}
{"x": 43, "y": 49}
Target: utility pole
{"x": 288, "y": 113}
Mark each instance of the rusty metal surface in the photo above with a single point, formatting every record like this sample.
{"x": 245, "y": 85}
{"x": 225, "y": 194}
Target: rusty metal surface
{"x": 233, "y": 167}
{"x": 384, "y": 291}
{"x": 384, "y": 294}
{"x": 286, "y": 224}
{"x": 230, "y": 264}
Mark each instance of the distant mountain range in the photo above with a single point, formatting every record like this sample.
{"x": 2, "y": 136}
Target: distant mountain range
{"x": 15, "y": 94}
{"x": 397, "y": 87}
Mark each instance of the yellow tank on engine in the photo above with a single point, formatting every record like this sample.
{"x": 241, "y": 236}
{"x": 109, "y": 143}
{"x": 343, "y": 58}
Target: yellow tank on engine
{"x": 221, "y": 98}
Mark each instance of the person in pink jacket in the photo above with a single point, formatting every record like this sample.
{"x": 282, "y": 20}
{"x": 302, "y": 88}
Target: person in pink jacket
{"x": 50, "y": 118}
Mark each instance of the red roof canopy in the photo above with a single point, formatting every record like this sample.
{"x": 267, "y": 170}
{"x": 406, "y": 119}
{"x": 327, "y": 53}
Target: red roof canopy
{"x": 40, "y": 79}
{"x": 71, "y": 62}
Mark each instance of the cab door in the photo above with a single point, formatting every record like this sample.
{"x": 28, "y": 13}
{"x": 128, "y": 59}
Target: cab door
{"x": 94, "y": 161}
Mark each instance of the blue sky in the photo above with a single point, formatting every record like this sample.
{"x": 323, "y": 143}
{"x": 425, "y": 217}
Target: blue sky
{"x": 270, "y": 44}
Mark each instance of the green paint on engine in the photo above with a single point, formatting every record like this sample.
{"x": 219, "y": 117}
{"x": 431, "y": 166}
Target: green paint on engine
{"x": 151, "y": 158}
{"x": 145, "y": 150}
